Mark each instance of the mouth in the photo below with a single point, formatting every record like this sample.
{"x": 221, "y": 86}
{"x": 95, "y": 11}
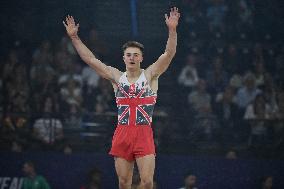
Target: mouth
{"x": 132, "y": 63}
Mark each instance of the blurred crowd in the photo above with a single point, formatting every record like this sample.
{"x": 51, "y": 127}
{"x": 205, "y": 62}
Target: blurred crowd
{"x": 227, "y": 86}
{"x": 43, "y": 94}
{"x": 231, "y": 76}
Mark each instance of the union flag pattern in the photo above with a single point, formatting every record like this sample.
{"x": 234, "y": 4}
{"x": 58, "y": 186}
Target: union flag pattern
{"x": 135, "y": 102}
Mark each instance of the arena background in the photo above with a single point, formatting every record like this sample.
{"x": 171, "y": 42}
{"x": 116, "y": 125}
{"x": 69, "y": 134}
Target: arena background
{"x": 207, "y": 29}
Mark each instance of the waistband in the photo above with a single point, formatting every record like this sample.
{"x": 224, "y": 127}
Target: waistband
{"x": 133, "y": 125}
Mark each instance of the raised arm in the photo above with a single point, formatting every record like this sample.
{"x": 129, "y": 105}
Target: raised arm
{"x": 163, "y": 62}
{"x": 86, "y": 55}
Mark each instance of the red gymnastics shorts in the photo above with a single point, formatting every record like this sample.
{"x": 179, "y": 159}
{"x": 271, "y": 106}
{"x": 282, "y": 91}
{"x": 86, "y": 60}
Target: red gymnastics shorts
{"x": 131, "y": 142}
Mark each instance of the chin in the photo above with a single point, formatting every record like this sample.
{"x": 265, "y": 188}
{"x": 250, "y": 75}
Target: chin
{"x": 131, "y": 65}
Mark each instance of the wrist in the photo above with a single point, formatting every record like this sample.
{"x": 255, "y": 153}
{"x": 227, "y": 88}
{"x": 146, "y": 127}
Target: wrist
{"x": 172, "y": 30}
{"x": 74, "y": 37}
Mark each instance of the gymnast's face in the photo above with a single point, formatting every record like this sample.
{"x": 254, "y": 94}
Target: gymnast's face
{"x": 132, "y": 57}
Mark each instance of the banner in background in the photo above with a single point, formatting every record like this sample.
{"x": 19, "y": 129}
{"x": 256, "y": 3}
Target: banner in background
{"x": 11, "y": 182}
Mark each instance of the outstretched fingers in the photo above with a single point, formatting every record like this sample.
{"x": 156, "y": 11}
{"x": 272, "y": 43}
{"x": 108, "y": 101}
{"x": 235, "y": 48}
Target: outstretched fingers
{"x": 174, "y": 12}
{"x": 166, "y": 17}
{"x": 64, "y": 24}
{"x": 69, "y": 21}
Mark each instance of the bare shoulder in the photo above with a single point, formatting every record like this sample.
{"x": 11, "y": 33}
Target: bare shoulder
{"x": 116, "y": 74}
{"x": 148, "y": 73}
{"x": 152, "y": 79}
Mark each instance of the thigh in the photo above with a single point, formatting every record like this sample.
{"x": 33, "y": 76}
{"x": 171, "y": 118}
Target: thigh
{"x": 124, "y": 168}
{"x": 146, "y": 166}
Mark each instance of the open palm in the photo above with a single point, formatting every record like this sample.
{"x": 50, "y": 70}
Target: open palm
{"x": 172, "y": 19}
{"x": 71, "y": 27}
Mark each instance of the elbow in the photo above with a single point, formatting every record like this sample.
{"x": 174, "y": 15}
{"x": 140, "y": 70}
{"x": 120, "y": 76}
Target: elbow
{"x": 171, "y": 53}
{"x": 87, "y": 59}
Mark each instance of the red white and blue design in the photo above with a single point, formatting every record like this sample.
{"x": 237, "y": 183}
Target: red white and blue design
{"x": 135, "y": 102}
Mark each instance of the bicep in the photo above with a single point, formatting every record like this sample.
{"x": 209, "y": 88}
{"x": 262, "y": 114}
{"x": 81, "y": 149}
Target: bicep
{"x": 103, "y": 70}
{"x": 160, "y": 66}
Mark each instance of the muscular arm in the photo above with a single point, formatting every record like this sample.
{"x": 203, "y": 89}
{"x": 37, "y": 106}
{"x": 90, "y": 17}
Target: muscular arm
{"x": 163, "y": 62}
{"x": 86, "y": 55}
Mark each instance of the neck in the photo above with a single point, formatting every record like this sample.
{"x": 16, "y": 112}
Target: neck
{"x": 133, "y": 73}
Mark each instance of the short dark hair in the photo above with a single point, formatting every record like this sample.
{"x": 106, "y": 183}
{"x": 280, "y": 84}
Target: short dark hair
{"x": 187, "y": 174}
{"x": 133, "y": 44}
{"x": 30, "y": 163}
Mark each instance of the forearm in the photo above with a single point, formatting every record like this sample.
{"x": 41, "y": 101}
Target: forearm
{"x": 171, "y": 43}
{"x": 163, "y": 62}
{"x": 85, "y": 54}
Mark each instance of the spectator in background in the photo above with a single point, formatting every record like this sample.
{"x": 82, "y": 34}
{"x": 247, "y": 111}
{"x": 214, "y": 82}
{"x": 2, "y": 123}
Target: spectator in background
{"x": 67, "y": 149}
{"x": 259, "y": 72}
{"x": 188, "y": 77}
{"x": 105, "y": 96}
{"x": 94, "y": 180}
{"x": 258, "y": 113}
{"x": 217, "y": 78}
{"x": 190, "y": 181}
{"x": 44, "y": 53}
{"x": 216, "y": 12}
{"x": 231, "y": 155}
{"x": 258, "y": 53}
{"x": 236, "y": 81}
{"x": 247, "y": 92}
{"x": 100, "y": 100}
{"x": 17, "y": 91}
{"x": 245, "y": 15}
{"x": 15, "y": 119}
{"x": 1, "y": 96}
{"x": 200, "y": 103}
{"x": 279, "y": 124}
{"x": 36, "y": 105}
{"x": 71, "y": 72}
{"x": 227, "y": 113}
{"x": 232, "y": 59}
{"x": 193, "y": 14}
{"x": 16, "y": 147}
{"x": 266, "y": 182}
{"x": 48, "y": 129}
{"x": 66, "y": 46}
{"x": 71, "y": 93}
{"x": 61, "y": 58}
{"x": 70, "y": 85}
{"x": 91, "y": 81}
{"x": 15, "y": 129}
{"x": 73, "y": 117}
{"x": 199, "y": 99}
{"x": 280, "y": 105}
{"x": 90, "y": 78}
{"x": 270, "y": 92}
{"x": 279, "y": 68}
{"x": 32, "y": 179}
{"x": 41, "y": 72}
{"x": 10, "y": 65}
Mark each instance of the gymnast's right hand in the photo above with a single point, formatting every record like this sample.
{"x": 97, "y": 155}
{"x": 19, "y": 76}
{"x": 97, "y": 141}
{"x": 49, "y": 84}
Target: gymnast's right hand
{"x": 71, "y": 27}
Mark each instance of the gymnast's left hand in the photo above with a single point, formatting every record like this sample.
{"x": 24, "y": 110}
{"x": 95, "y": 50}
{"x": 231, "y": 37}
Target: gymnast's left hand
{"x": 173, "y": 19}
